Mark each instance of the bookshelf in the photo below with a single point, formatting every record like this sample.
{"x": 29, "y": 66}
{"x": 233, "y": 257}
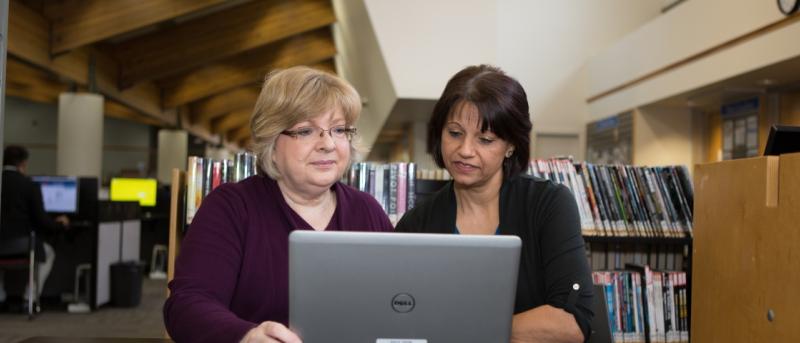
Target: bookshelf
{"x": 190, "y": 187}
{"x": 745, "y": 251}
{"x": 637, "y": 225}
{"x": 632, "y": 233}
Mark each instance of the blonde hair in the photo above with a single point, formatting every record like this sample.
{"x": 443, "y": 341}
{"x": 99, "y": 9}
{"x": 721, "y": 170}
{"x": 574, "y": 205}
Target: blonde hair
{"x": 293, "y": 95}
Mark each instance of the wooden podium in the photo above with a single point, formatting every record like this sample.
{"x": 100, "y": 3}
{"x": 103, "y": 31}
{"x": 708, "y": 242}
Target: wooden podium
{"x": 746, "y": 265}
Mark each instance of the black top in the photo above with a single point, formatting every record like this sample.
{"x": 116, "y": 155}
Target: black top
{"x": 22, "y": 210}
{"x": 545, "y": 216}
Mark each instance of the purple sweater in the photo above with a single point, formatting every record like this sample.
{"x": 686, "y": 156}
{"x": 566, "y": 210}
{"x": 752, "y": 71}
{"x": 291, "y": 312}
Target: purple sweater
{"x": 233, "y": 269}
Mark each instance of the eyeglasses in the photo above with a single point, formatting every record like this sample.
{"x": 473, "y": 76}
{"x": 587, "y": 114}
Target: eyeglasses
{"x": 338, "y": 133}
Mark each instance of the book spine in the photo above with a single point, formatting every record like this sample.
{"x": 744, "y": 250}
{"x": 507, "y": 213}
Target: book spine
{"x": 618, "y": 307}
{"x": 225, "y": 171}
{"x": 587, "y": 220}
{"x": 411, "y": 198}
{"x": 191, "y": 188}
{"x": 216, "y": 174}
{"x": 393, "y": 192}
{"x": 379, "y": 176}
{"x": 208, "y": 165}
{"x": 600, "y": 198}
{"x": 198, "y": 196}
{"x": 402, "y": 188}
{"x": 352, "y": 178}
{"x": 598, "y": 222}
{"x": 363, "y": 176}
{"x": 372, "y": 179}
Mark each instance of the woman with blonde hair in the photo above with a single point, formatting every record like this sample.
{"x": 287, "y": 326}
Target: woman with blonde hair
{"x": 231, "y": 278}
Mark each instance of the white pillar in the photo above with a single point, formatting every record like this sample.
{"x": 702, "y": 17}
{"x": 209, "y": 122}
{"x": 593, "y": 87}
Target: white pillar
{"x": 80, "y": 134}
{"x": 173, "y": 147}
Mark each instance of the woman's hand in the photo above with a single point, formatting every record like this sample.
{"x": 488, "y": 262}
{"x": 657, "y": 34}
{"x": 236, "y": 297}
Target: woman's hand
{"x": 270, "y": 332}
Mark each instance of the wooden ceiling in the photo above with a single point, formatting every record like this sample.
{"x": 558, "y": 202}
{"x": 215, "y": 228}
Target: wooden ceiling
{"x": 192, "y": 64}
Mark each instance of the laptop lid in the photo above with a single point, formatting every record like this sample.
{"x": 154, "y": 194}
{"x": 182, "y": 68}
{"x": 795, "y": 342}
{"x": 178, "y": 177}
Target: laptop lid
{"x": 401, "y": 287}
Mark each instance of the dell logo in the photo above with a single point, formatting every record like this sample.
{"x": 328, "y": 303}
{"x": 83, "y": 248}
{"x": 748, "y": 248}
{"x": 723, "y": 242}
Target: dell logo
{"x": 403, "y": 303}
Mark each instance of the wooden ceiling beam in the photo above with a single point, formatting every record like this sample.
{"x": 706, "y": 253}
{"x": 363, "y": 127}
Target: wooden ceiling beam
{"x": 196, "y": 129}
{"x": 249, "y": 67}
{"x": 219, "y": 35}
{"x": 231, "y": 120}
{"x": 114, "y": 109}
{"x": 32, "y": 83}
{"x": 28, "y": 40}
{"x": 328, "y": 66}
{"x": 244, "y": 98}
{"x": 240, "y": 134}
{"x": 37, "y": 85}
{"x": 144, "y": 97}
{"x": 82, "y": 22}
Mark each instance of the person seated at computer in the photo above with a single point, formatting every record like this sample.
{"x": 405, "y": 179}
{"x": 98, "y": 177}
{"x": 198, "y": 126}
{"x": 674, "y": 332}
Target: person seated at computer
{"x": 22, "y": 211}
{"x": 231, "y": 278}
{"x": 479, "y": 132}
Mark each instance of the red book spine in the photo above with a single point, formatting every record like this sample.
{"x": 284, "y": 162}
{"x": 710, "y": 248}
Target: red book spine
{"x": 216, "y": 174}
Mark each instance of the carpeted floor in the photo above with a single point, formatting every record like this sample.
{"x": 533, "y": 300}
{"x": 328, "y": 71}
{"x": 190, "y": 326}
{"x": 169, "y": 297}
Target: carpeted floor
{"x": 139, "y": 322}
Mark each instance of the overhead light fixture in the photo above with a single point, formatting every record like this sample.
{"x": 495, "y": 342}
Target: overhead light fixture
{"x": 766, "y": 82}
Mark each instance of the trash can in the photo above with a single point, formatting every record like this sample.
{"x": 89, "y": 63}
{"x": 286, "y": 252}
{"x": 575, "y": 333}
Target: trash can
{"x": 126, "y": 283}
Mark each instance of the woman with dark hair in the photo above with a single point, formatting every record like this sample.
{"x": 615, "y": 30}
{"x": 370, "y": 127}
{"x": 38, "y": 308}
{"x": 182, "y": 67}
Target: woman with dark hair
{"x": 480, "y": 132}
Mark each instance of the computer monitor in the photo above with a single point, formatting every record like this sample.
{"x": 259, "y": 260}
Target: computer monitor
{"x": 131, "y": 189}
{"x": 60, "y": 193}
{"x": 782, "y": 139}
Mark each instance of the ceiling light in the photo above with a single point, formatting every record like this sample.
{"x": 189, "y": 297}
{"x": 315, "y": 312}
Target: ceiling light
{"x": 766, "y": 82}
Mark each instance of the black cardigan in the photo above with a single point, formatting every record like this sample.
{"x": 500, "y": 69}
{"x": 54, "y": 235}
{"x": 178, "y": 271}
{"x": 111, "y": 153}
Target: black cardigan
{"x": 545, "y": 216}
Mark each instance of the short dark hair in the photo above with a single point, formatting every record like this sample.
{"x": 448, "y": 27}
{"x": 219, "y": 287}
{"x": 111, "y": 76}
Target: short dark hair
{"x": 13, "y": 155}
{"x": 503, "y": 108}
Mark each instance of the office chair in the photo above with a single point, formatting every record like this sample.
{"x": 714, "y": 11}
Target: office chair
{"x": 20, "y": 254}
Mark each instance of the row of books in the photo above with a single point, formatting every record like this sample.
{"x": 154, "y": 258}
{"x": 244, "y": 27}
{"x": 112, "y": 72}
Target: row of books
{"x": 621, "y": 200}
{"x": 204, "y": 175}
{"x": 392, "y": 185}
{"x": 613, "y": 256}
{"x": 645, "y": 305}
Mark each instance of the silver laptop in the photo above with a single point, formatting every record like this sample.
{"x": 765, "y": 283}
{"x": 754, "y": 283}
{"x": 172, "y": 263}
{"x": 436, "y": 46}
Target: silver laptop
{"x": 401, "y": 287}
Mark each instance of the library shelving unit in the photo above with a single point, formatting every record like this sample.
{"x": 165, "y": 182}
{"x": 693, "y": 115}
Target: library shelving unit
{"x": 177, "y": 219}
{"x": 605, "y": 253}
{"x": 746, "y": 263}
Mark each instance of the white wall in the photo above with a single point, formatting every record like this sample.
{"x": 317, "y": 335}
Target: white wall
{"x": 689, "y": 29}
{"x": 545, "y": 44}
{"x": 361, "y": 62}
{"x": 425, "y": 42}
{"x": 126, "y": 145}
{"x": 663, "y": 136}
{"x": 34, "y": 126}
